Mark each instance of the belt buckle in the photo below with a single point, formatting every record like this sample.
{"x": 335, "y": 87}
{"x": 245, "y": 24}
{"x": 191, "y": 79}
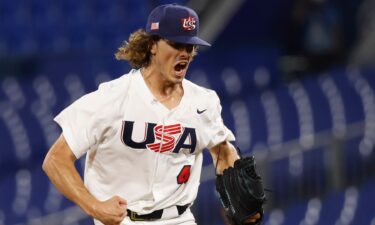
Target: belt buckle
{"x": 156, "y": 215}
{"x": 134, "y": 217}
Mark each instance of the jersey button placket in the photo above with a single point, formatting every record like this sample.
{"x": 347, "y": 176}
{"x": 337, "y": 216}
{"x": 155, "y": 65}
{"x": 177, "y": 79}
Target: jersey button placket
{"x": 157, "y": 155}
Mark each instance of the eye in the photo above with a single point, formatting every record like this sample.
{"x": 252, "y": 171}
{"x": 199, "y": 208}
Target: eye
{"x": 179, "y": 46}
{"x": 190, "y": 48}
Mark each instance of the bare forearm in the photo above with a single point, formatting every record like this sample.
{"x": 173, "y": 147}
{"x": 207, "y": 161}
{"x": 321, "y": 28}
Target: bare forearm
{"x": 70, "y": 184}
{"x": 223, "y": 155}
{"x": 60, "y": 169}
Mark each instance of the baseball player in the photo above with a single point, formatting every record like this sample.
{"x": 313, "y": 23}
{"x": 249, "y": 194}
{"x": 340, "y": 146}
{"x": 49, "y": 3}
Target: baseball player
{"x": 143, "y": 133}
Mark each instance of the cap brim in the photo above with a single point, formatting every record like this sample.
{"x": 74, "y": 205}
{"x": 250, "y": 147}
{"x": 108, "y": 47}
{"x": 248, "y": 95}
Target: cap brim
{"x": 189, "y": 40}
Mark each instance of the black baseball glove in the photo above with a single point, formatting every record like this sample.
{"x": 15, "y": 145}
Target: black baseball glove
{"x": 241, "y": 191}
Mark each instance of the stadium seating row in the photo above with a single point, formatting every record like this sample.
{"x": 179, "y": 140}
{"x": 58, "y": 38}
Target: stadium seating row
{"x": 346, "y": 206}
{"x": 262, "y": 121}
{"x": 296, "y": 111}
{"x": 40, "y": 27}
{"x": 29, "y": 196}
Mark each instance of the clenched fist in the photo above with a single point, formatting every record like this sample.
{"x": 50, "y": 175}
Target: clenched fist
{"x": 111, "y": 211}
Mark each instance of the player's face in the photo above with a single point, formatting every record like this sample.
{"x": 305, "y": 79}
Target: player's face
{"x": 172, "y": 59}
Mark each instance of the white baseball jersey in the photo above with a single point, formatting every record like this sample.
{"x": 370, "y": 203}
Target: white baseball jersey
{"x": 139, "y": 149}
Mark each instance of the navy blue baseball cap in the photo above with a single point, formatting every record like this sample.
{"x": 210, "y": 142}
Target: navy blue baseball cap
{"x": 176, "y": 23}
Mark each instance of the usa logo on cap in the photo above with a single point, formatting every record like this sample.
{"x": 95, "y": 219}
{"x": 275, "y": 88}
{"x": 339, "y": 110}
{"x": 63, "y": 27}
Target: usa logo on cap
{"x": 188, "y": 23}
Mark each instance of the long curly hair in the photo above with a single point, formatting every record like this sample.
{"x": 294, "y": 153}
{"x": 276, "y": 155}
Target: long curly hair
{"x": 137, "y": 50}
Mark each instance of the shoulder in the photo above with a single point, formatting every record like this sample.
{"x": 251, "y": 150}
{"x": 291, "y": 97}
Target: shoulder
{"x": 118, "y": 83}
{"x": 107, "y": 96}
{"x": 203, "y": 99}
{"x": 199, "y": 91}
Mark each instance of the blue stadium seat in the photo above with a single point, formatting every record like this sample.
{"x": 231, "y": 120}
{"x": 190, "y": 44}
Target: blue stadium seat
{"x": 352, "y": 161}
{"x": 315, "y": 171}
{"x": 331, "y": 208}
{"x": 280, "y": 182}
{"x": 322, "y": 116}
{"x": 352, "y": 102}
{"x": 7, "y": 155}
{"x": 257, "y": 70}
{"x": 295, "y": 213}
{"x": 290, "y": 123}
{"x": 40, "y": 189}
{"x": 20, "y": 38}
{"x": 274, "y": 217}
{"x": 7, "y": 194}
{"x": 365, "y": 214}
{"x": 257, "y": 121}
{"x": 17, "y": 149}
{"x": 207, "y": 205}
{"x": 368, "y": 74}
{"x": 8, "y": 7}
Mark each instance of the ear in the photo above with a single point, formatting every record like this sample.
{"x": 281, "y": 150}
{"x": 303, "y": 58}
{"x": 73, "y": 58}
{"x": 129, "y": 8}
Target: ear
{"x": 153, "y": 48}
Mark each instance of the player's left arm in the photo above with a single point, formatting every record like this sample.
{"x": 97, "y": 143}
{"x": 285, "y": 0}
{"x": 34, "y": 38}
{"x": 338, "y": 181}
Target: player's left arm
{"x": 224, "y": 154}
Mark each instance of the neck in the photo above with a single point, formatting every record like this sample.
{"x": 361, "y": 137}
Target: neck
{"x": 158, "y": 85}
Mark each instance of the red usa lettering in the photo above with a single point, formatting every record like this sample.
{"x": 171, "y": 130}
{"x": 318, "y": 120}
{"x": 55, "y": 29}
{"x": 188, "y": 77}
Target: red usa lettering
{"x": 167, "y": 141}
{"x": 188, "y": 23}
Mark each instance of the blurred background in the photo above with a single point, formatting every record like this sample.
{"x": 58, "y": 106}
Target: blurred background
{"x": 296, "y": 80}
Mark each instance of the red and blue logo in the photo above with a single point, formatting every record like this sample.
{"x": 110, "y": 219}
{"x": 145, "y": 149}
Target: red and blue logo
{"x": 188, "y": 23}
{"x": 161, "y": 138}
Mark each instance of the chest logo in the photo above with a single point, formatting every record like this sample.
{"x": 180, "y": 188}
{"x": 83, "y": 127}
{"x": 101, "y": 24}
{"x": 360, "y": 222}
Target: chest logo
{"x": 201, "y": 111}
{"x": 160, "y": 138}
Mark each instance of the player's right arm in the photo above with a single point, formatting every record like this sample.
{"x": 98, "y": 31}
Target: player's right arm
{"x": 59, "y": 167}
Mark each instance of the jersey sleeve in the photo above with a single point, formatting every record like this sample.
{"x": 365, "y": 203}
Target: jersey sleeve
{"x": 217, "y": 131}
{"x": 83, "y": 122}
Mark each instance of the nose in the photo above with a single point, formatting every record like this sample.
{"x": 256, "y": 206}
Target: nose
{"x": 187, "y": 51}
{"x": 184, "y": 53}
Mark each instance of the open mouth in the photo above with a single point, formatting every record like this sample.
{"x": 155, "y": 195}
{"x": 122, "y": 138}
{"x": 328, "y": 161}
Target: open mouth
{"x": 180, "y": 66}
